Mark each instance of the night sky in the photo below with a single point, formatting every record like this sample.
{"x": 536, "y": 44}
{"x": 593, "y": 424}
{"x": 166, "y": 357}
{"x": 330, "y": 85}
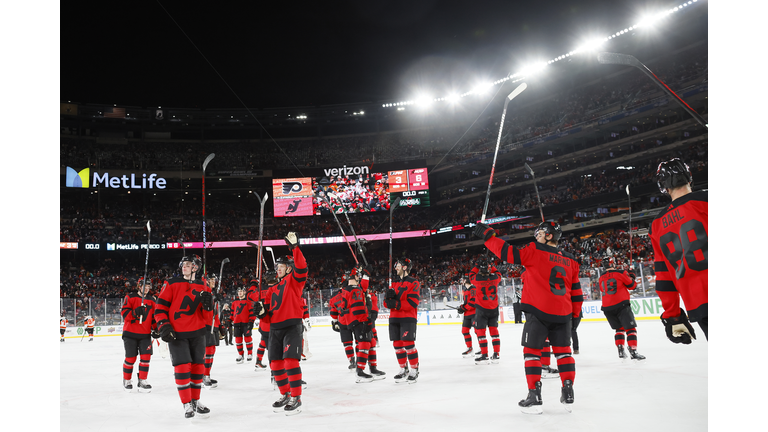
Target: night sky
{"x": 282, "y": 54}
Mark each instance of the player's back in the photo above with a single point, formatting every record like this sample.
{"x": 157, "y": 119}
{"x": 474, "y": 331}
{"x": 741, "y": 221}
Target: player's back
{"x": 679, "y": 235}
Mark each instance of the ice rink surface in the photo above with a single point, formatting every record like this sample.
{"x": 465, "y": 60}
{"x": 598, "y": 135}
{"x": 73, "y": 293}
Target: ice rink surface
{"x": 666, "y": 392}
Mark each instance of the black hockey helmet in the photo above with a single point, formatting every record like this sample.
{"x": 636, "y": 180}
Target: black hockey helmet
{"x": 673, "y": 174}
{"x": 483, "y": 264}
{"x": 285, "y": 259}
{"x": 607, "y": 262}
{"x": 405, "y": 262}
{"x": 550, "y": 228}
{"x": 187, "y": 258}
{"x": 270, "y": 277}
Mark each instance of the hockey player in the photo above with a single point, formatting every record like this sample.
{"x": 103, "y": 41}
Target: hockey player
{"x": 468, "y": 310}
{"x": 285, "y": 309}
{"x": 615, "y": 285}
{"x": 225, "y": 318}
{"x": 211, "y": 334}
{"x": 372, "y": 303}
{"x": 138, "y": 325}
{"x": 485, "y": 280}
{"x": 89, "y": 322}
{"x": 547, "y": 371}
{"x": 552, "y": 295}
{"x": 181, "y": 322}
{"x": 305, "y": 327}
{"x": 257, "y": 293}
{"x": 403, "y": 301}
{"x": 679, "y": 236}
{"x": 62, "y": 325}
{"x": 339, "y": 323}
{"x": 359, "y": 307}
{"x": 243, "y": 324}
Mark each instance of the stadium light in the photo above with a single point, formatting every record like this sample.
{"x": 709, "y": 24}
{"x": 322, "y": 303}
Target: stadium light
{"x": 482, "y": 88}
{"x": 534, "y": 69}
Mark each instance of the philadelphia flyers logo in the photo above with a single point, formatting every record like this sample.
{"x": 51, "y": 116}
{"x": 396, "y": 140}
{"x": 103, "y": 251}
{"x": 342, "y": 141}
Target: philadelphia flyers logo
{"x": 292, "y": 187}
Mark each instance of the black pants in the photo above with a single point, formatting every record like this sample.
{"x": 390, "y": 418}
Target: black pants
{"x": 518, "y": 313}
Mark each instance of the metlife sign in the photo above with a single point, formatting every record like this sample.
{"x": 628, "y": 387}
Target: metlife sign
{"x": 83, "y": 179}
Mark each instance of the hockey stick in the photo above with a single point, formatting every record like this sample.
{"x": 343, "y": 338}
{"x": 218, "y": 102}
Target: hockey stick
{"x": 630, "y": 227}
{"x": 510, "y": 96}
{"x": 274, "y": 263}
{"x": 392, "y": 208}
{"x": 359, "y": 246}
{"x": 530, "y": 171}
{"x": 205, "y": 165}
{"x": 328, "y": 202}
{"x": 628, "y": 60}
{"x": 146, "y": 263}
{"x": 262, "y": 202}
{"x": 218, "y": 291}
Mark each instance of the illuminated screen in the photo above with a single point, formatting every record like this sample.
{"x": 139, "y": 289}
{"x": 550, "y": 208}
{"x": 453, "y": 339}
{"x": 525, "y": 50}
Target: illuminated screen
{"x": 355, "y": 193}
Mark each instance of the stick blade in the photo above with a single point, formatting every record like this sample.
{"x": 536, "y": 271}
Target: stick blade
{"x": 616, "y": 58}
{"x": 516, "y": 92}
{"x": 225, "y": 260}
{"x": 528, "y": 168}
{"x": 627, "y": 190}
{"x": 251, "y": 244}
{"x": 148, "y": 227}
{"x": 208, "y": 160}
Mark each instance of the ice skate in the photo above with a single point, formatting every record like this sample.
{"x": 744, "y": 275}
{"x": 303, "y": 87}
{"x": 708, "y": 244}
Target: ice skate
{"x": 402, "y": 375}
{"x": 467, "y": 353}
{"x": 250, "y": 357}
{"x": 303, "y": 384}
{"x": 280, "y": 404}
{"x": 62, "y": 340}
{"x": 634, "y": 355}
{"x": 495, "y": 358}
{"x": 532, "y": 404}
{"x": 376, "y": 373}
{"x": 622, "y": 353}
{"x": 413, "y": 375}
{"x": 482, "y": 360}
{"x": 189, "y": 410}
{"x": 363, "y": 377}
{"x": 91, "y": 339}
{"x": 352, "y": 364}
{"x": 293, "y": 407}
{"x": 549, "y": 372}
{"x": 127, "y": 385}
{"x": 260, "y": 366}
{"x": 143, "y": 386}
{"x": 209, "y": 383}
{"x": 200, "y": 409}
{"x": 566, "y": 395}
{"x": 239, "y": 360}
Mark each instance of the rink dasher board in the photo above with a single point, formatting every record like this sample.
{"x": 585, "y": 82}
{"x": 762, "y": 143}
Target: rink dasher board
{"x": 648, "y": 308}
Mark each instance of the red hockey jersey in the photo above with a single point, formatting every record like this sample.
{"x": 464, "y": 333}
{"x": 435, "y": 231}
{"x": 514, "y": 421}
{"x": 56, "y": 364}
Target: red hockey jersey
{"x": 614, "y": 285}
{"x": 179, "y": 303}
{"x": 285, "y": 298}
{"x": 131, "y": 326}
{"x": 485, "y": 288}
{"x": 552, "y": 289}
{"x": 407, "y": 291}
{"x": 679, "y": 236}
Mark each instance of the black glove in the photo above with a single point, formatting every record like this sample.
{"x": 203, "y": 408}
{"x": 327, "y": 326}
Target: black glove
{"x": 461, "y": 309}
{"x": 155, "y": 334}
{"x": 166, "y": 332}
{"x": 631, "y": 275}
{"x": 206, "y": 299}
{"x": 292, "y": 240}
{"x": 367, "y": 270}
{"x": 335, "y": 326}
{"x": 390, "y": 294}
{"x": 483, "y": 231}
{"x": 679, "y": 329}
{"x": 141, "y": 312}
{"x": 260, "y": 309}
{"x": 372, "y": 315}
{"x": 392, "y": 303}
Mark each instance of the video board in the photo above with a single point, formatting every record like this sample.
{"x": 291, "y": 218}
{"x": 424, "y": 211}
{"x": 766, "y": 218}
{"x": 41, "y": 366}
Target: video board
{"x": 358, "y": 192}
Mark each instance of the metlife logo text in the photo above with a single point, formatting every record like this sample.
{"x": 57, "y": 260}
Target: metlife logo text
{"x": 81, "y": 179}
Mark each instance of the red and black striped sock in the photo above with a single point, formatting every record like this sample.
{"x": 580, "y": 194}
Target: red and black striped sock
{"x": 532, "y": 358}
{"x": 293, "y": 371}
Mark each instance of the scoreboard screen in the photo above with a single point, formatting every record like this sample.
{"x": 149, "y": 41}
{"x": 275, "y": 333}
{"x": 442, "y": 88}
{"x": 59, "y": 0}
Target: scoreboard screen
{"x": 353, "y": 193}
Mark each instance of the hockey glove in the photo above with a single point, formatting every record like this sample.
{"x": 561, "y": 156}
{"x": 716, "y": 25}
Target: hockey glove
{"x": 632, "y": 275}
{"x": 141, "y": 312}
{"x": 391, "y": 303}
{"x": 292, "y": 240}
{"x": 390, "y": 294}
{"x": 166, "y": 332}
{"x": 372, "y": 315}
{"x": 206, "y": 299}
{"x": 483, "y": 231}
{"x": 155, "y": 334}
{"x": 679, "y": 329}
{"x": 260, "y": 309}
{"x": 335, "y": 326}
{"x": 461, "y": 309}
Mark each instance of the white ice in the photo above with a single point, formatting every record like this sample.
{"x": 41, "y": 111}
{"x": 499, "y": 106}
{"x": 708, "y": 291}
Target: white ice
{"x": 666, "y": 392}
